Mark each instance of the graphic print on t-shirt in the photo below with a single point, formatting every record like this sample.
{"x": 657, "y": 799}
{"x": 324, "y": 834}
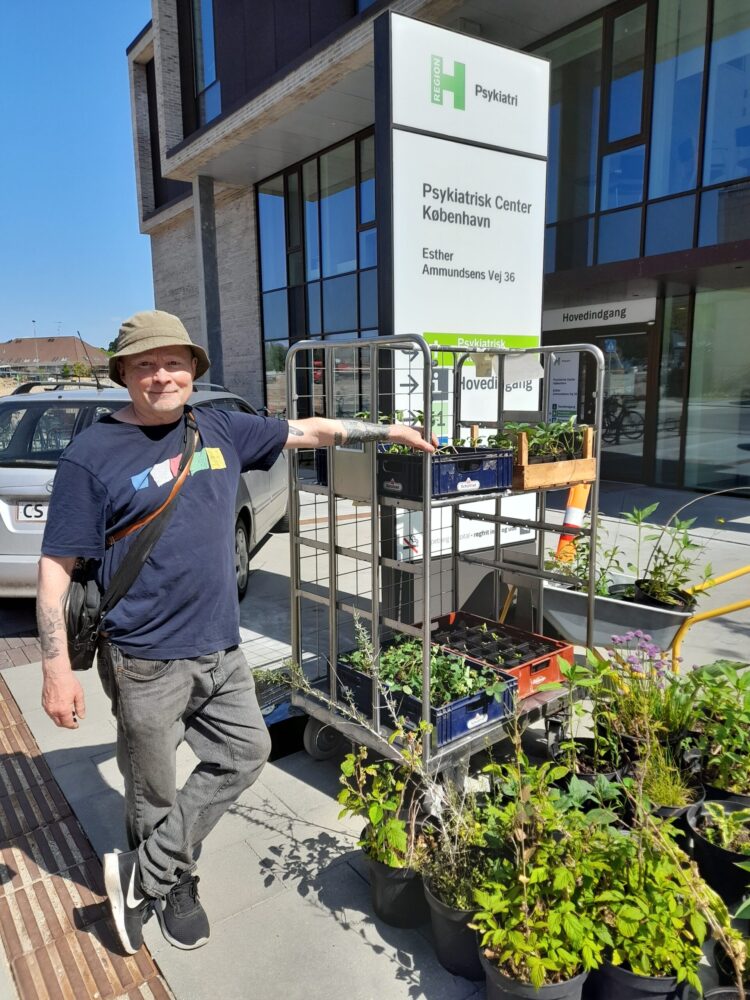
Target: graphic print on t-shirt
{"x": 205, "y": 458}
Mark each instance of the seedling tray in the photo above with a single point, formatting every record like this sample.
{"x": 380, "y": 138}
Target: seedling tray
{"x": 449, "y": 721}
{"x": 538, "y": 654}
{"x": 467, "y": 472}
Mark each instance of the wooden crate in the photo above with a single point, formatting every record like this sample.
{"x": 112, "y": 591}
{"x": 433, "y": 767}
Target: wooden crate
{"x": 547, "y": 475}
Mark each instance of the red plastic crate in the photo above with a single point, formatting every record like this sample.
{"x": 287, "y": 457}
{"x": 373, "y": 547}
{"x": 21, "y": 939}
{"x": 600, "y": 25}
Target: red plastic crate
{"x": 543, "y": 669}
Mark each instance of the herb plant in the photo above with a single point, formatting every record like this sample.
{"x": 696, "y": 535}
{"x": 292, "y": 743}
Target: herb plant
{"x": 720, "y": 699}
{"x": 729, "y": 830}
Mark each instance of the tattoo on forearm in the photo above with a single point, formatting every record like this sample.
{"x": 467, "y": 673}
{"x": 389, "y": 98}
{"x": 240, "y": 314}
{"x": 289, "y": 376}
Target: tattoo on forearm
{"x": 50, "y": 623}
{"x": 361, "y": 430}
{"x": 296, "y": 431}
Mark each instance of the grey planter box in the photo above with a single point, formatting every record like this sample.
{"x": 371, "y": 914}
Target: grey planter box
{"x": 567, "y": 611}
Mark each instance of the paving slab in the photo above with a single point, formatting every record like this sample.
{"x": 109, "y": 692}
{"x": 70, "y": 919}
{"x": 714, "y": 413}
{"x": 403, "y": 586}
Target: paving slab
{"x": 322, "y": 943}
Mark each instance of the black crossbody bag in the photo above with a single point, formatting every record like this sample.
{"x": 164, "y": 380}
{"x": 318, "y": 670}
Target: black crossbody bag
{"x": 85, "y": 605}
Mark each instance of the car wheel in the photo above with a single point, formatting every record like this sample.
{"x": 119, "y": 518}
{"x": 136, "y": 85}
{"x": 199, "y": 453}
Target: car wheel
{"x": 241, "y": 556}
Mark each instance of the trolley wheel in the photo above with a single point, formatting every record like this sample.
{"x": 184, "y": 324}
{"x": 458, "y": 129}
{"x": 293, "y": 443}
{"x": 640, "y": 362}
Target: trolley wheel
{"x": 321, "y": 741}
{"x": 554, "y": 729}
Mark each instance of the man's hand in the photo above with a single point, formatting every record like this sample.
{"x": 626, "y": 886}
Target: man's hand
{"x": 411, "y": 437}
{"x": 62, "y": 694}
{"x": 62, "y": 698}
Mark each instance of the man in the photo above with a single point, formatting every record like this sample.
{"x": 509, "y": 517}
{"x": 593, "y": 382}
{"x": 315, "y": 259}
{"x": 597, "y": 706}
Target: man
{"x": 168, "y": 655}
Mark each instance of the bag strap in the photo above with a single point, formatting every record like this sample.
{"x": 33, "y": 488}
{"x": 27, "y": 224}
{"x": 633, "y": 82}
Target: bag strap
{"x": 153, "y": 525}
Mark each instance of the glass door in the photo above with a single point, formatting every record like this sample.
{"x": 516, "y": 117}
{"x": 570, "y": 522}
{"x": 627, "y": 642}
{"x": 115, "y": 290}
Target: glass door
{"x": 626, "y": 360}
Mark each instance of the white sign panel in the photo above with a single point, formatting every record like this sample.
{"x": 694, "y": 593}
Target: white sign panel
{"x": 563, "y": 400}
{"x": 600, "y": 314}
{"x": 468, "y": 239}
{"x": 465, "y": 87}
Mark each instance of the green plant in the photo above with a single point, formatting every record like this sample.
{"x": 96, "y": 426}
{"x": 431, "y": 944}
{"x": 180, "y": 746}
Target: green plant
{"x": 669, "y": 566}
{"x": 595, "y": 678}
{"x": 729, "y": 830}
{"x": 577, "y": 569}
{"x": 401, "y": 664}
{"x": 455, "y": 861}
{"x": 536, "y": 918}
{"x": 382, "y": 792}
{"x": 720, "y": 697}
{"x": 649, "y": 703}
{"x": 663, "y": 782}
{"x": 553, "y": 440}
{"x": 743, "y": 912}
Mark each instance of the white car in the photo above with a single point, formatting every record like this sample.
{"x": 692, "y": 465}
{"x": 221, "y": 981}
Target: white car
{"x": 35, "y": 426}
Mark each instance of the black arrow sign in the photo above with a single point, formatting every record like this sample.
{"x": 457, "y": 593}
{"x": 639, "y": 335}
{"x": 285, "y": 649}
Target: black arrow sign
{"x": 411, "y": 385}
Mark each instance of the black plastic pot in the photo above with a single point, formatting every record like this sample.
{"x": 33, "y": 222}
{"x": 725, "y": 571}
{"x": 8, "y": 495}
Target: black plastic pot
{"x": 678, "y": 812}
{"x": 397, "y": 895}
{"x": 722, "y": 795}
{"x": 622, "y": 591}
{"x": 681, "y": 600}
{"x": 723, "y": 993}
{"x": 499, "y": 987}
{"x": 612, "y": 982}
{"x": 716, "y": 865}
{"x": 455, "y": 941}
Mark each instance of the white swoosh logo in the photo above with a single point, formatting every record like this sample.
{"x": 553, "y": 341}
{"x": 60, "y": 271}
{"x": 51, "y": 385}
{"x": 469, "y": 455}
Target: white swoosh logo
{"x": 131, "y": 899}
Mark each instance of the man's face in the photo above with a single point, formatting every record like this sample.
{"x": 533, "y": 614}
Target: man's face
{"x": 159, "y": 382}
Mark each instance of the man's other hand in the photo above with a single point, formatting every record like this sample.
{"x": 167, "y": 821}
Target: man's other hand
{"x": 411, "y": 437}
{"x": 62, "y": 699}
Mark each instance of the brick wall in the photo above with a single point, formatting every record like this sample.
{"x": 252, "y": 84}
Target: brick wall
{"x": 236, "y": 243}
{"x": 175, "y": 274}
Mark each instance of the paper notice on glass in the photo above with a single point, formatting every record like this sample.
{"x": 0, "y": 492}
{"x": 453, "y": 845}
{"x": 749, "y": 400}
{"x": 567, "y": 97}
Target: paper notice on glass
{"x": 520, "y": 367}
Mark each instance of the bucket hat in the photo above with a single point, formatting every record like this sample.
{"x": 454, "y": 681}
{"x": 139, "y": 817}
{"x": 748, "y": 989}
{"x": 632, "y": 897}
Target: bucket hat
{"x": 149, "y": 330}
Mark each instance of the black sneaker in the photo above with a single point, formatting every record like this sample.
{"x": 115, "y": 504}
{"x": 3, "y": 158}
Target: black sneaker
{"x": 122, "y": 880}
{"x": 182, "y": 918}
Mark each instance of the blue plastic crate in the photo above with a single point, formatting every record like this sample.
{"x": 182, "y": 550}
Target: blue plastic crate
{"x": 449, "y": 721}
{"x": 465, "y": 715}
{"x": 467, "y": 472}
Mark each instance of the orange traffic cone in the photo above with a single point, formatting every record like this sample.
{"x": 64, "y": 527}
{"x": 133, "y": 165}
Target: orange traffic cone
{"x": 575, "y": 512}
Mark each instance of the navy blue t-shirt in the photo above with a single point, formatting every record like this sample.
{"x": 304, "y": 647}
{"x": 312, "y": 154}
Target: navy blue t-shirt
{"x": 184, "y": 601}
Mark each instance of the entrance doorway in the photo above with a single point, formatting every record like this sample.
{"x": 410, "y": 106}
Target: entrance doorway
{"x": 627, "y": 448}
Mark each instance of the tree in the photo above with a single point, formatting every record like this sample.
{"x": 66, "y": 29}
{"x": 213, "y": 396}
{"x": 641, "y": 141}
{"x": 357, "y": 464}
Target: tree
{"x": 80, "y": 370}
{"x": 112, "y": 346}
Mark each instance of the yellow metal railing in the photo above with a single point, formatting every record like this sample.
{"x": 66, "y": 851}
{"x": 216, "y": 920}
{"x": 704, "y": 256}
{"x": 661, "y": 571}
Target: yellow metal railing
{"x": 702, "y": 616}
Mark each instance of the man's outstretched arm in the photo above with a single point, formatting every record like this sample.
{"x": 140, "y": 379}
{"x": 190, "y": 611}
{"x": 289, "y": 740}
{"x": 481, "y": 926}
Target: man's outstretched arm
{"x": 62, "y": 694}
{"x": 317, "y": 432}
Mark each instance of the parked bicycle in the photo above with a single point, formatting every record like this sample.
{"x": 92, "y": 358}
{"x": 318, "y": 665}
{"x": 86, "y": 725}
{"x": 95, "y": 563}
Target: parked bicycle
{"x": 621, "y": 420}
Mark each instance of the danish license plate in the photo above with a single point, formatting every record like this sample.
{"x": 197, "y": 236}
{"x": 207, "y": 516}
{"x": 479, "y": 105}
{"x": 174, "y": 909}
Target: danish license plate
{"x": 31, "y": 512}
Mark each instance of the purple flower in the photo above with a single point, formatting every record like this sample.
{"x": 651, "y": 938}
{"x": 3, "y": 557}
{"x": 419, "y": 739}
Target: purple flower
{"x": 637, "y": 634}
{"x": 647, "y": 638}
{"x": 633, "y": 659}
{"x": 616, "y": 640}
{"x": 629, "y": 636}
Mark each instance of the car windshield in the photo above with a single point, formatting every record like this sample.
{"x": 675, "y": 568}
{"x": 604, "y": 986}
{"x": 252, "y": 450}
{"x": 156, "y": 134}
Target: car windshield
{"x": 34, "y": 434}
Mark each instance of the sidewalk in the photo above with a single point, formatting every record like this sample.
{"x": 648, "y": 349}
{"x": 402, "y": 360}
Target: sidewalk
{"x": 281, "y": 879}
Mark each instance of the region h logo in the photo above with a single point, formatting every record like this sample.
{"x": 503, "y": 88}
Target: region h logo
{"x": 441, "y": 82}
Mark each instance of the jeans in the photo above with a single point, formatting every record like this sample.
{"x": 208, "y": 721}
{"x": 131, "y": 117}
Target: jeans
{"x": 210, "y": 703}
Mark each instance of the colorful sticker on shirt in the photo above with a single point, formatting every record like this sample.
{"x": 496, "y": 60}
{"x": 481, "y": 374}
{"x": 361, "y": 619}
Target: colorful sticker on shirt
{"x": 206, "y": 459}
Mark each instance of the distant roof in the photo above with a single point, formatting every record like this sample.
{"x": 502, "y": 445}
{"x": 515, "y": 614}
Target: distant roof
{"x": 49, "y": 351}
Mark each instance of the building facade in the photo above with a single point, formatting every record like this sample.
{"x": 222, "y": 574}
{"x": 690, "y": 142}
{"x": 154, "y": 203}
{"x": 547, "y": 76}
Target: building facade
{"x": 254, "y": 141}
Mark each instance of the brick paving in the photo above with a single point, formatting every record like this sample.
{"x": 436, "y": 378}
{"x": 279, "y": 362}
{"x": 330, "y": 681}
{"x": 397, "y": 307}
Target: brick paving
{"x": 54, "y": 918}
{"x": 16, "y": 651}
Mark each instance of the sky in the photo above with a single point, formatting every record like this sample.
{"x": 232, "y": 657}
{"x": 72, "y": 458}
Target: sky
{"x": 71, "y": 255}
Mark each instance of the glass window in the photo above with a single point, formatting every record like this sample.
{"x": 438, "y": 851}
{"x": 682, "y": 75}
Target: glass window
{"x": 575, "y": 87}
{"x": 626, "y": 81}
{"x": 275, "y": 316}
{"x": 367, "y": 179}
{"x": 312, "y": 229}
{"x": 272, "y": 233}
{"x": 297, "y": 313}
{"x": 53, "y": 430}
{"x": 678, "y": 84}
{"x": 206, "y": 85}
{"x": 574, "y": 244}
{"x": 293, "y": 209}
{"x": 727, "y": 153}
{"x": 368, "y": 248}
{"x": 550, "y": 234}
{"x": 619, "y": 235}
{"x": 725, "y": 215}
{"x": 669, "y": 225}
{"x": 671, "y": 388}
{"x": 622, "y": 178}
{"x": 275, "y": 354}
{"x": 295, "y": 267}
{"x": 340, "y": 304}
{"x": 368, "y": 298}
{"x": 314, "y": 325}
{"x": 337, "y": 210}
{"x": 718, "y": 427}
